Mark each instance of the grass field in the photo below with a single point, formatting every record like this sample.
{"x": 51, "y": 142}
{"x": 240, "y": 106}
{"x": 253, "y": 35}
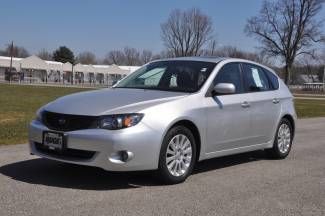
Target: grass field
{"x": 310, "y": 108}
{"x": 18, "y": 105}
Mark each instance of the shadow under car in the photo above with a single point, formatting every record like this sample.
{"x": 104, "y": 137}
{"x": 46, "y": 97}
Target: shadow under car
{"x": 58, "y": 174}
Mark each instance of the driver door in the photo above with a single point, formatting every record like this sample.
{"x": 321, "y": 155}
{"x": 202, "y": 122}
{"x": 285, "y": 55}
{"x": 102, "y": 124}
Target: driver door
{"x": 228, "y": 116}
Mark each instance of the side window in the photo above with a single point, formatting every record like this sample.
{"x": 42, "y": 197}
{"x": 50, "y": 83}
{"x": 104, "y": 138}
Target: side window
{"x": 230, "y": 73}
{"x": 173, "y": 81}
{"x": 273, "y": 79}
{"x": 255, "y": 78}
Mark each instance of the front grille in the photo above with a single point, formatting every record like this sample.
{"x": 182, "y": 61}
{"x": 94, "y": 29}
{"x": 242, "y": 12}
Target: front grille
{"x": 66, "y": 122}
{"x": 67, "y": 154}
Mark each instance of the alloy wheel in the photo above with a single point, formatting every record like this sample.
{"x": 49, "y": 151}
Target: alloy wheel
{"x": 284, "y": 138}
{"x": 178, "y": 155}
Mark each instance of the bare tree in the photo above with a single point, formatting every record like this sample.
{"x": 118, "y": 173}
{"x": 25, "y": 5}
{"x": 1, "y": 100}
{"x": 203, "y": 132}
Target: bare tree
{"x": 321, "y": 57}
{"x": 308, "y": 64}
{"x": 211, "y": 49}
{"x": 234, "y": 52}
{"x": 17, "y": 51}
{"x": 86, "y": 58}
{"x": 132, "y": 56}
{"x": 165, "y": 54}
{"x": 146, "y": 56}
{"x": 185, "y": 33}
{"x": 45, "y": 55}
{"x": 287, "y": 29}
{"x": 115, "y": 57}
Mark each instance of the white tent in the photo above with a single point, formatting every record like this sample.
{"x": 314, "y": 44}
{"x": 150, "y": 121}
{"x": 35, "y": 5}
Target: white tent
{"x": 101, "y": 68}
{"x": 79, "y": 68}
{"x": 33, "y": 62}
{"x": 114, "y": 69}
{"x": 5, "y": 62}
{"x": 35, "y": 69}
{"x": 130, "y": 68}
{"x": 44, "y": 71}
{"x": 67, "y": 66}
{"x": 53, "y": 65}
{"x": 89, "y": 69}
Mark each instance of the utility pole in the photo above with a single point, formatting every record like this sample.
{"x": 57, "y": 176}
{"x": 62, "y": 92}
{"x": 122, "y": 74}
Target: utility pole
{"x": 72, "y": 78}
{"x": 324, "y": 79}
{"x": 11, "y": 54}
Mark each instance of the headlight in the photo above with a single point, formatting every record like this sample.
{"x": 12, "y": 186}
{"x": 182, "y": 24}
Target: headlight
{"x": 115, "y": 122}
{"x": 39, "y": 114}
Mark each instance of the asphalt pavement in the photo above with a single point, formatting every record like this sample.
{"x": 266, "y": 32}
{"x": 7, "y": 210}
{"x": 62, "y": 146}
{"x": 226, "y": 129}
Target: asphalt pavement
{"x": 245, "y": 184}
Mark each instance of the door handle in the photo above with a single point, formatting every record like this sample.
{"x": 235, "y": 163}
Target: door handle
{"x": 245, "y": 104}
{"x": 275, "y": 100}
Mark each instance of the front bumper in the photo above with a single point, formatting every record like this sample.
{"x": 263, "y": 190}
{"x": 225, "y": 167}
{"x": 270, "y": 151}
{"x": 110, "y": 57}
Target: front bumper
{"x": 98, "y": 147}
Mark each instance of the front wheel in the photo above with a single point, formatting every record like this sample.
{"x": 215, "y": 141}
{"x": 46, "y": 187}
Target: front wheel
{"x": 282, "y": 141}
{"x": 177, "y": 155}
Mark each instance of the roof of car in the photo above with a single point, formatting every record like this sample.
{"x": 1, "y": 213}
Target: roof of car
{"x": 198, "y": 58}
{"x": 210, "y": 59}
{"x": 215, "y": 60}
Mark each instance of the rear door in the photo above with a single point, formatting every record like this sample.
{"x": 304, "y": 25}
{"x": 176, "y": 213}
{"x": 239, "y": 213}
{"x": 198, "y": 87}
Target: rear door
{"x": 265, "y": 106}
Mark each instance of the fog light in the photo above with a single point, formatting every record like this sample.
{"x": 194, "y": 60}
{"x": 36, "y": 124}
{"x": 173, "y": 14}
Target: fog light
{"x": 121, "y": 157}
{"x": 124, "y": 156}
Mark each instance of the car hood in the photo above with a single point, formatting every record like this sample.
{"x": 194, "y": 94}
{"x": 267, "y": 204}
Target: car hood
{"x": 110, "y": 101}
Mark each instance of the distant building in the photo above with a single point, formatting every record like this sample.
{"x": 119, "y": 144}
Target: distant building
{"x": 35, "y": 70}
{"x": 308, "y": 78}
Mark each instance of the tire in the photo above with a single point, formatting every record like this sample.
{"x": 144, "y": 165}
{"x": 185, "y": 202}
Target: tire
{"x": 177, "y": 155}
{"x": 282, "y": 141}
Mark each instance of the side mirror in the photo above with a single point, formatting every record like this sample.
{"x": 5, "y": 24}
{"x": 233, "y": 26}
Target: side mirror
{"x": 224, "y": 88}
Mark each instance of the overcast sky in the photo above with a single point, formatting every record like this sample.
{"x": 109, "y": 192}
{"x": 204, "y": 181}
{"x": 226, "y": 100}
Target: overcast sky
{"x": 100, "y": 26}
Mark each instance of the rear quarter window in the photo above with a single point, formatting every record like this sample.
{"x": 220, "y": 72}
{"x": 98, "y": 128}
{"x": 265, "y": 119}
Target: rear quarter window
{"x": 274, "y": 81}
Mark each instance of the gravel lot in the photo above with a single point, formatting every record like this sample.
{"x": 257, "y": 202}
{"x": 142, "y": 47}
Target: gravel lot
{"x": 246, "y": 184}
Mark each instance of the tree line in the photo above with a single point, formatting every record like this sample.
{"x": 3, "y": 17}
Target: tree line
{"x": 288, "y": 31}
{"x": 126, "y": 56}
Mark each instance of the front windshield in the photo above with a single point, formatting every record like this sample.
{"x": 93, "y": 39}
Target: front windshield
{"x": 183, "y": 76}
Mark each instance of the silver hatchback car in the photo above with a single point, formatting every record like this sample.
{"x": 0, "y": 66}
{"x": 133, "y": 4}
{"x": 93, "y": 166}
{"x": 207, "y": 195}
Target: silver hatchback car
{"x": 168, "y": 115}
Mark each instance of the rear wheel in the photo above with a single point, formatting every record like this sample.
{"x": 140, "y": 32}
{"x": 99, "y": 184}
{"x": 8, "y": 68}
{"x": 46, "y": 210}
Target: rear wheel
{"x": 177, "y": 155}
{"x": 282, "y": 141}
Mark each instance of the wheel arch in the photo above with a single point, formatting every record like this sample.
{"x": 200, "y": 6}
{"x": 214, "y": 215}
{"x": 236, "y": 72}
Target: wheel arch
{"x": 195, "y": 131}
{"x": 292, "y": 122}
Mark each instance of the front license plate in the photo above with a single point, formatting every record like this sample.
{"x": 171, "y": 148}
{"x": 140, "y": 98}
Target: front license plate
{"x": 53, "y": 140}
